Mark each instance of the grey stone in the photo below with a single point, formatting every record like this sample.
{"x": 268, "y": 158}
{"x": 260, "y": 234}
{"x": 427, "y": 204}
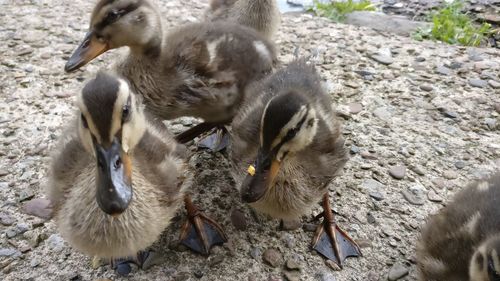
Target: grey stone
{"x": 443, "y": 70}
{"x": 478, "y": 83}
{"x": 397, "y": 172}
{"x": 6, "y": 219}
{"x": 325, "y": 276}
{"x": 38, "y": 207}
{"x": 460, "y": 164}
{"x": 397, "y": 272}
{"x": 56, "y": 242}
{"x": 426, "y": 88}
{"x": 355, "y": 108}
{"x": 238, "y": 219}
{"x": 491, "y": 123}
{"x": 382, "y": 113}
{"x": 255, "y": 253}
{"x": 494, "y": 84}
{"x": 292, "y": 275}
{"x": 26, "y": 195}
{"x": 385, "y": 23}
{"x": 450, "y": 175}
{"x": 11, "y": 232}
{"x": 434, "y": 197}
{"x": 8, "y": 252}
{"x": 383, "y": 59}
{"x": 291, "y": 224}
{"x": 272, "y": 257}
{"x": 374, "y": 189}
{"x": 417, "y": 169}
{"x": 292, "y": 264}
{"x": 34, "y": 262}
{"x": 413, "y": 197}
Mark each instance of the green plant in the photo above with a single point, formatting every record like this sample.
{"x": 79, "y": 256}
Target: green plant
{"x": 337, "y": 10}
{"x": 451, "y": 25}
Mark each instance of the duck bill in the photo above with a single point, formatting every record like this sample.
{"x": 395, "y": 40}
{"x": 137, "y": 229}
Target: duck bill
{"x": 114, "y": 184}
{"x": 89, "y": 49}
{"x": 257, "y": 183}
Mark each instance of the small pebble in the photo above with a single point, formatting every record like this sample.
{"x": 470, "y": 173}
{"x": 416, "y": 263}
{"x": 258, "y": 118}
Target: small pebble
{"x": 426, "y": 88}
{"x": 450, "y": 175}
{"x": 397, "y": 172}
{"x": 238, "y": 220}
{"x": 291, "y": 224}
{"x": 397, "y": 272}
{"x": 434, "y": 197}
{"x": 413, "y": 197}
{"x": 292, "y": 264}
{"x": 38, "y": 207}
{"x": 460, "y": 164}
{"x": 272, "y": 257}
{"x": 292, "y": 275}
{"x": 478, "y": 83}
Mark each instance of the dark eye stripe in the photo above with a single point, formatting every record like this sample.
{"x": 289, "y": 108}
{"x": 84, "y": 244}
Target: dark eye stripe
{"x": 115, "y": 14}
{"x": 295, "y": 129}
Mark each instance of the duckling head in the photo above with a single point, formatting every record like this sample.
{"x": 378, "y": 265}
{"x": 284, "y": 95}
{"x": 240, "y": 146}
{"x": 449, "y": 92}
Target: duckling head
{"x": 485, "y": 263}
{"x": 118, "y": 23}
{"x": 288, "y": 126}
{"x": 110, "y": 126}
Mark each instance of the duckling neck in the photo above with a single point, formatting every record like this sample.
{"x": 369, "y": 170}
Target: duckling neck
{"x": 151, "y": 50}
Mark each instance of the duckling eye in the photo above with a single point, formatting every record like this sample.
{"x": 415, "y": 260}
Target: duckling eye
{"x": 84, "y": 122}
{"x": 492, "y": 272}
{"x": 126, "y": 113}
{"x": 291, "y": 133}
{"x": 112, "y": 16}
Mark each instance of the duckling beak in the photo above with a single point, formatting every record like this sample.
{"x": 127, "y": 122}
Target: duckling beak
{"x": 89, "y": 49}
{"x": 114, "y": 184}
{"x": 260, "y": 178}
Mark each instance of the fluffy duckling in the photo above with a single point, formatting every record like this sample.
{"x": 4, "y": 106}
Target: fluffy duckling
{"x": 117, "y": 179}
{"x": 195, "y": 70}
{"x": 290, "y": 140}
{"x": 261, "y": 15}
{"x": 462, "y": 241}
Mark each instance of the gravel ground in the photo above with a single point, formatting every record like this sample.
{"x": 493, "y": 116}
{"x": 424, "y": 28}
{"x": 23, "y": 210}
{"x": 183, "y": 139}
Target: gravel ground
{"x": 421, "y": 120}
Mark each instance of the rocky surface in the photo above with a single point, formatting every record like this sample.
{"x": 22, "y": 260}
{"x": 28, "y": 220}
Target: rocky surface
{"x": 424, "y": 111}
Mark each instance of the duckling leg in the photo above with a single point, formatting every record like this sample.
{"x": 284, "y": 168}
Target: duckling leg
{"x": 123, "y": 266}
{"x": 331, "y": 241}
{"x": 217, "y": 140}
{"x": 200, "y": 232}
{"x": 195, "y": 131}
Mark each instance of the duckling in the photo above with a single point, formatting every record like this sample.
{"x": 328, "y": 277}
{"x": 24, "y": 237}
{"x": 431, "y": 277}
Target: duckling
{"x": 462, "y": 241}
{"x": 290, "y": 139}
{"x": 261, "y": 15}
{"x": 117, "y": 178}
{"x": 195, "y": 70}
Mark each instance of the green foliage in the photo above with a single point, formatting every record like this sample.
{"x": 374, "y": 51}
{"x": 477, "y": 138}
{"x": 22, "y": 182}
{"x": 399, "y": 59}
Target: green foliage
{"x": 337, "y": 10}
{"x": 451, "y": 25}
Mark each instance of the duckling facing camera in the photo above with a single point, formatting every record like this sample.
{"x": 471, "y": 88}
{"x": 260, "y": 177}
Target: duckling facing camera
{"x": 287, "y": 147}
{"x": 462, "y": 241}
{"x": 117, "y": 178}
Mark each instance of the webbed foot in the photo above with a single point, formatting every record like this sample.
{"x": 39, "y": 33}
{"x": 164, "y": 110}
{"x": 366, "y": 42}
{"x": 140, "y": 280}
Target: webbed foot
{"x": 216, "y": 141}
{"x": 123, "y": 266}
{"x": 199, "y": 232}
{"x": 331, "y": 241}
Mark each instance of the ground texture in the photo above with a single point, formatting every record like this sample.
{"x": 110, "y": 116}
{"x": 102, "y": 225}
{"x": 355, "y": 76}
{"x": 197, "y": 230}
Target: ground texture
{"x": 421, "y": 120}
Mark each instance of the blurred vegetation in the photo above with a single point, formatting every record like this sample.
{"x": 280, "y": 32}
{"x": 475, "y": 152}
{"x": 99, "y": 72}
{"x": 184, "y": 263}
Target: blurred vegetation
{"x": 451, "y": 25}
{"x": 337, "y": 10}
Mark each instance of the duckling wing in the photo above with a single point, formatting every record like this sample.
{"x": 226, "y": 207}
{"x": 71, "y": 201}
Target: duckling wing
{"x": 161, "y": 161}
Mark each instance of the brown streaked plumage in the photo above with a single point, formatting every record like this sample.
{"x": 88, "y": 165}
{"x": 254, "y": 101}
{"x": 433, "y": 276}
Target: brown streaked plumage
{"x": 289, "y": 132}
{"x": 462, "y": 241}
{"x": 194, "y": 70}
{"x": 148, "y": 161}
{"x": 261, "y": 15}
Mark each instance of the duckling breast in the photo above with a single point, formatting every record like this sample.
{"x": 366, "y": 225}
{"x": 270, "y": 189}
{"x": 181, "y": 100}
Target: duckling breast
{"x": 293, "y": 194}
{"x": 88, "y": 229}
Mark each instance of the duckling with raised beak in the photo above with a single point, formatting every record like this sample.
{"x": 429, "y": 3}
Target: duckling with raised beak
{"x": 198, "y": 70}
{"x": 118, "y": 178}
{"x": 462, "y": 241}
{"x": 290, "y": 140}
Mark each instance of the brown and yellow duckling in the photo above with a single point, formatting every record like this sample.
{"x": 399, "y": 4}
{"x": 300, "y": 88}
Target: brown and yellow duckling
{"x": 261, "y": 15}
{"x": 198, "y": 70}
{"x": 289, "y": 138}
{"x": 117, "y": 179}
{"x": 462, "y": 241}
